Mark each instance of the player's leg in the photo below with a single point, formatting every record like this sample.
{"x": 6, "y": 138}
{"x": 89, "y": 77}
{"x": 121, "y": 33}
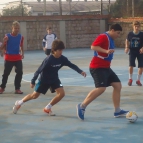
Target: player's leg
{"x": 18, "y": 76}
{"x": 8, "y": 65}
{"x": 48, "y": 52}
{"x": 60, "y": 93}
{"x": 132, "y": 64}
{"x": 116, "y": 84}
{"x": 39, "y": 88}
{"x": 28, "y": 97}
{"x": 140, "y": 69}
{"x": 100, "y": 77}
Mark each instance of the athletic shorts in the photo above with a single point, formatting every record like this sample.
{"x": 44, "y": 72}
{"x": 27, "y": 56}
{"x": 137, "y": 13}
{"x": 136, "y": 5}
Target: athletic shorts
{"x": 48, "y": 52}
{"x": 43, "y": 88}
{"x": 103, "y": 77}
{"x": 132, "y": 58}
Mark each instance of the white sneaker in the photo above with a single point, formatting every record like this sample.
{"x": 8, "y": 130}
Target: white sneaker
{"x": 49, "y": 112}
{"x": 16, "y": 107}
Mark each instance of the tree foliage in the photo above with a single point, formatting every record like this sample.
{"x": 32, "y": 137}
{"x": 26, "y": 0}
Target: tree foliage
{"x": 20, "y": 10}
{"x": 120, "y": 9}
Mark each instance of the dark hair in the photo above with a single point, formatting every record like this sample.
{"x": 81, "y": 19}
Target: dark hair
{"x": 57, "y": 45}
{"x": 116, "y": 27}
{"x": 136, "y": 23}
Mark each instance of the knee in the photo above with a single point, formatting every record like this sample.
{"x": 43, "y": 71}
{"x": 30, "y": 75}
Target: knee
{"x": 118, "y": 86}
{"x": 34, "y": 96}
{"x": 61, "y": 94}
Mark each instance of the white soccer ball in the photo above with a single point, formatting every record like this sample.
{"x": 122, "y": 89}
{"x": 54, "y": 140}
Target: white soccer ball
{"x": 132, "y": 116}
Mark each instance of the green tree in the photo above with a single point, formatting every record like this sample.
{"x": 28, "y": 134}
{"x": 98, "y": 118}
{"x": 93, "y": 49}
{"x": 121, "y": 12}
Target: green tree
{"x": 20, "y": 10}
{"x": 119, "y": 8}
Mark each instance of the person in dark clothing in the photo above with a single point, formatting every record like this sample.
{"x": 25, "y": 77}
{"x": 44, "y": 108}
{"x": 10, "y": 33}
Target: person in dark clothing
{"x": 49, "y": 78}
{"x": 134, "y": 46}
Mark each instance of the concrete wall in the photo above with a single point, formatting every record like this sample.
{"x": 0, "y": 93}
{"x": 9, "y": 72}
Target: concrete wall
{"x": 75, "y": 31}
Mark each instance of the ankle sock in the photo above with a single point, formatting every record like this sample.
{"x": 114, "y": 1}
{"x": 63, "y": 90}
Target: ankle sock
{"x": 117, "y": 110}
{"x": 49, "y": 106}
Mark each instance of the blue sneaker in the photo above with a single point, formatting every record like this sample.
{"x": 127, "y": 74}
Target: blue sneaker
{"x": 121, "y": 113}
{"x": 80, "y": 112}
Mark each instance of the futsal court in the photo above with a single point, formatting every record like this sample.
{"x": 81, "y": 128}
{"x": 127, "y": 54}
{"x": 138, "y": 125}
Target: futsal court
{"x": 32, "y": 125}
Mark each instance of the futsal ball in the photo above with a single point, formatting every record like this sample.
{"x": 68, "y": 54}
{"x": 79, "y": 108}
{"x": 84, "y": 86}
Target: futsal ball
{"x": 132, "y": 116}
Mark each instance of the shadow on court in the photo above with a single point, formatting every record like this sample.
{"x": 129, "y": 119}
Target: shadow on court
{"x": 32, "y": 125}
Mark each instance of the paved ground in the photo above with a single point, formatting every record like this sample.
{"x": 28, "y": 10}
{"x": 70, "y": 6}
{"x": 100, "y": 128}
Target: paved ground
{"x": 31, "y": 125}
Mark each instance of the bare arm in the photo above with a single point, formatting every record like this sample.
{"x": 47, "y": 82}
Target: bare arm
{"x": 127, "y": 46}
{"x": 22, "y": 52}
{"x": 99, "y": 49}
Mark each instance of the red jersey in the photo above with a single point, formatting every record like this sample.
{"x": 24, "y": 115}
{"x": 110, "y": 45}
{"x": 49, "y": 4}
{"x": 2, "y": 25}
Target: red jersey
{"x": 96, "y": 62}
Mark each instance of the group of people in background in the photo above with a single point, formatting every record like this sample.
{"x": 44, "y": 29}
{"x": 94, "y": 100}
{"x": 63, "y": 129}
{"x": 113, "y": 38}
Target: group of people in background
{"x": 103, "y": 76}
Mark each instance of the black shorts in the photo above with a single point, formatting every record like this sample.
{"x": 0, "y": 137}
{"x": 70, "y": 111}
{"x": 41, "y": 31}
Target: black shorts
{"x": 43, "y": 88}
{"x": 103, "y": 77}
{"x": 132, "y": 58}
{"x": 48, "y": 52}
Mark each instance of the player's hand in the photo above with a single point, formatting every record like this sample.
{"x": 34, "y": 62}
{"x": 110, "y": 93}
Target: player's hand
{"x": 110, "y": 51}
{"x": 44, "y": 49}
{"x": 32, "y": 85}
{"x": 126, "y": 50}
{"x": 141, "y": 51}
{"x": 22, "y": 56}
{"x": 83, "y": 74}
{"x": 5, "y": 39}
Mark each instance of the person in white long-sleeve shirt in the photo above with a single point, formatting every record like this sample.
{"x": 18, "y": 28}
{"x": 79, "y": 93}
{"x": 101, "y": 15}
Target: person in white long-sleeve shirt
{"x": 48, "y": 40}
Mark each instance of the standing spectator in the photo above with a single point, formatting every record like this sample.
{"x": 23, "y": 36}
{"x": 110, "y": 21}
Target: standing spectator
{"x": 14, "y": 53}
{"x": 134, "y": 46}
{"x": 48, "y": 40}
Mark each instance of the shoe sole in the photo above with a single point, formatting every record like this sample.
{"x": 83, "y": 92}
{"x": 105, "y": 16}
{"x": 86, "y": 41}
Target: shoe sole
{"x": 122, "y": 115}
{"x": 48, "y": 113}
{"x": 77, "y": 113}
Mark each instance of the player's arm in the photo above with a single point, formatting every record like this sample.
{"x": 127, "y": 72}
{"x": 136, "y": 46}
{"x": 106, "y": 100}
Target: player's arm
{"x": 44, "y": 42}
{"x": 127, "y": 43}
{"x": 39, "y": 70}
{"x": 74, "y": 67}
{"x": 97, "y": 45}
{"x": 22, "y": 48}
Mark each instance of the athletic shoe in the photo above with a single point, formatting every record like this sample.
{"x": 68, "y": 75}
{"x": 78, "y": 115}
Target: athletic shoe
{"x": 49, "y": 111}
{"x": 1, "y": 90}
{"x": 121, "y": 113}
{"x": 80, "y": 112}
{"x": 138, "y": 83}
{"x": 18, "y": 91}
{"x": 130, "y": 82}
{"x": 16, "y": 107}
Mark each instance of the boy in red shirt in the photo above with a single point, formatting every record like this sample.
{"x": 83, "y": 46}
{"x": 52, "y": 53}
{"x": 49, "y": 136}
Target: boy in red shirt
{"x": 101, "y": 72}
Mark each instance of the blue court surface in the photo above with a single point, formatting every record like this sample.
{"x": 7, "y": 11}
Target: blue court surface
{"x": 32, "y": 125}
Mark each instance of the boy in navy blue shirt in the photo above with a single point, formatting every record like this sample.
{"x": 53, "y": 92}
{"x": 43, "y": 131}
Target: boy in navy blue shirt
{"x": 49, "y": 79}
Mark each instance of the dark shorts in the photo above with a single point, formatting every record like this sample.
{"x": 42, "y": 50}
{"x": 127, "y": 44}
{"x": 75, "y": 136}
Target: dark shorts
{"x": 132, "y": 58}
{"x": 103, "y": 77}
{"x": 43, "y": 88}
{"x": 48, "y": 52}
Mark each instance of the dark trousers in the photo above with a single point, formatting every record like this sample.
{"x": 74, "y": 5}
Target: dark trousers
{"x": 8, "y": 65}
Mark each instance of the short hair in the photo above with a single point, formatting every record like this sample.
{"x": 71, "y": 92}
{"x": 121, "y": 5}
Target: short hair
{"x": 15, "y": 23}
{"x": 49, "y": 27}
{"x": 116, "y": 27}
{"x": 136, "y": 23}
{"x": 57, "y": 45}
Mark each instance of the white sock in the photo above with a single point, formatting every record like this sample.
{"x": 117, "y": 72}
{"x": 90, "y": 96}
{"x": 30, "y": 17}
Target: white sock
{"x": 139, "y": 77}
{"x": 130, "y": 76}
{"x": 117, "y": 110}
{"x": 20, "y": 102}
{"x": 49, "y": 106}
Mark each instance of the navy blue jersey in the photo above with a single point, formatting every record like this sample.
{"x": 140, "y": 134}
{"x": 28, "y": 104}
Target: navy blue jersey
{"x": 136, "y": 41}
{"x": 48, "y": 70}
